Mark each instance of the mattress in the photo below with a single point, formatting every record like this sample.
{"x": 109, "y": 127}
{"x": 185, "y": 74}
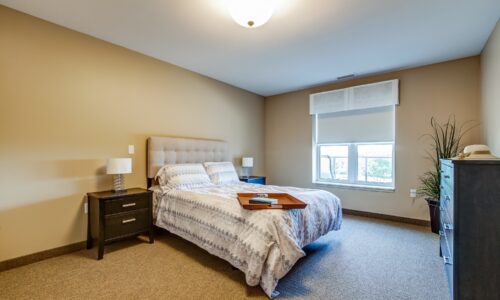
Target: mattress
{"x": 264, "y": 244}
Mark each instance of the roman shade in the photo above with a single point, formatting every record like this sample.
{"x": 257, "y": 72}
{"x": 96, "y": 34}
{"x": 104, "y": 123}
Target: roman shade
{"x": 360, "y": 126}
{"x": 359, "y": 114}
{"x": 359, "y": 97}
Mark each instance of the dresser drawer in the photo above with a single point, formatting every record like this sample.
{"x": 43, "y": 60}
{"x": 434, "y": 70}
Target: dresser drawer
{"x": 126, "y": 224}
{"x": 446, "y": 234}
{"x": 447, "y": 178}
{"x": 126, "y": 204}
{"x": 446, "y": 207}
{"x": 447, "y": 171}
{"x": 448, "y": 268}
{"x": 446, "y": 191}
{"x": 447, "y": 260}
{"x": 445, "y": 216}
{"x": 446, "y": 188}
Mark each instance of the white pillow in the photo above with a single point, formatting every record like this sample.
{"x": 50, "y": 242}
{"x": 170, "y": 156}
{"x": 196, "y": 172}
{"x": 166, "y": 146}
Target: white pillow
{"x": 221, "y": 172}
{"x": 183, "y": 176}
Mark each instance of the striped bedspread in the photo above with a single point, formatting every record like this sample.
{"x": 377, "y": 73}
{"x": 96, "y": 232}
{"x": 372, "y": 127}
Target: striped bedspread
{"x": 264, "y": 244}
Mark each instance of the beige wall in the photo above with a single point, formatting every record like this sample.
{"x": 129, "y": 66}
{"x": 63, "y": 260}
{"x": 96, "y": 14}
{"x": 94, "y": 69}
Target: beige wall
{"x": 490, "y": 91}
{"x": 69, "y": 101}
{"x": 436, "y": 90}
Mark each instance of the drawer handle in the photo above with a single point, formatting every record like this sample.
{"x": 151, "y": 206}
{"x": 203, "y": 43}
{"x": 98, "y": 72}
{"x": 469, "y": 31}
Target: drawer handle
{"x": 128, "y": 220}
{"x": 129, "y": 204}
{"x": 447, "y": 260}
{"x": 447, "y": 226}
{"x": 447, "y": 176}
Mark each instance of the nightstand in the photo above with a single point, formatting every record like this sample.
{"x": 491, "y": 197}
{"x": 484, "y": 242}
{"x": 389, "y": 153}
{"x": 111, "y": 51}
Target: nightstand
{"x": 254, "y": 179}
{"x": 117, "y": 215}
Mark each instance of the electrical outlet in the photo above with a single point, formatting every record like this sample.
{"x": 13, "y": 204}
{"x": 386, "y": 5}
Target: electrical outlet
{"x": 413, "y": 193}
{"x": 85, "y": 208}
{"x": 131, "y": 149}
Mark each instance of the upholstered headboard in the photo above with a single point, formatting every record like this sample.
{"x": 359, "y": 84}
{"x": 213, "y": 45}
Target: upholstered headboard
{"x": 173, "y": 150}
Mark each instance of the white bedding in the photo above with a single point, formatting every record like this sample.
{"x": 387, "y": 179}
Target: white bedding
{"x": 264, "y": 244}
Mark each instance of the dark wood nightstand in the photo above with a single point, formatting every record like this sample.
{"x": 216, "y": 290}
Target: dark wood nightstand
{"x": 116, "y": 215}
{"x": 254, "y": 179}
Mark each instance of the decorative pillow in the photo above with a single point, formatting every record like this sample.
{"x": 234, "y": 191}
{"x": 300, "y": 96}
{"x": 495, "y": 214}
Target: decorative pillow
{"x": 221, "y": 172}
{"x": 183, "y": 176}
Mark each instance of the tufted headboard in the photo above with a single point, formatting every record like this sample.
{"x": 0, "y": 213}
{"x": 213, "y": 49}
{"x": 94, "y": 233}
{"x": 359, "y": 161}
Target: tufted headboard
{"x": 173, "y": 150}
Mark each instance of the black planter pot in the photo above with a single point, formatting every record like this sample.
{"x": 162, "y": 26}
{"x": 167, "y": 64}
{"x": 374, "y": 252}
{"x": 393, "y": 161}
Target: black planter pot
{"x": 434, "y": 214}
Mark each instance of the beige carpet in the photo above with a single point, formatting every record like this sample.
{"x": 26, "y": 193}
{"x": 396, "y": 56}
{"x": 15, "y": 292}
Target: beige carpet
{"x": 367, "y": 259}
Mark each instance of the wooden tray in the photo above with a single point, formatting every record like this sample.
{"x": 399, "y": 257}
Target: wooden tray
{"x": 285, "y": 201}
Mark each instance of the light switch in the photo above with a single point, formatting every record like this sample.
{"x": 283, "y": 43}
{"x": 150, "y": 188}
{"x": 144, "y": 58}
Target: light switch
{"x": 131, "y": 149}
{"x": 413, "y": 193}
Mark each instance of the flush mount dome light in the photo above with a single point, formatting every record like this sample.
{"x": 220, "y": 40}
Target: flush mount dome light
{"x": 251, "y": 13}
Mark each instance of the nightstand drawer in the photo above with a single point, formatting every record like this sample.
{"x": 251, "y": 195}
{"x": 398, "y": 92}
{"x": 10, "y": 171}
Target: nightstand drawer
{"x": 126, "y": 224}
{"x": 126, "y": 204}
{"x": 254, "y": 179}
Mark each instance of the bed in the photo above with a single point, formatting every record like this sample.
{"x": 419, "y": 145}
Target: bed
{"x": 264, "y": 244}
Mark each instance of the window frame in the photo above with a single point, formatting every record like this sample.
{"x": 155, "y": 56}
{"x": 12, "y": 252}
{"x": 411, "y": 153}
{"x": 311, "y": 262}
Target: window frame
{"x": 352, "y": 159}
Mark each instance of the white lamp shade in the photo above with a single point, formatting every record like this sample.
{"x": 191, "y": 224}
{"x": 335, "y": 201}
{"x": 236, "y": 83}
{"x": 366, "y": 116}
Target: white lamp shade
{"x": 251, "y": 13}
{"x": 247, "y": 162}
{"x": 119, "y": 166}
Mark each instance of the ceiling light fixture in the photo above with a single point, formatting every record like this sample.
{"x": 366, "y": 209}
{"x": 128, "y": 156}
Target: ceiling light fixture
{"x": 251, "y": 13}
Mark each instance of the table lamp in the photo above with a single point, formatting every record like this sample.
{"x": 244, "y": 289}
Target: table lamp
{"x": 118, "y": 167}
{"x": 247, "y": 164}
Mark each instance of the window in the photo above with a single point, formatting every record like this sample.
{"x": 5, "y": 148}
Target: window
{"x": 353, "y": 136}
{"x": 356, "y": 164}
{"x": 334, "y": 162}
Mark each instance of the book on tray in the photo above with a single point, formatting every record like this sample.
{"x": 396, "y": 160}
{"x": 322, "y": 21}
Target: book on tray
{"x": 263, "y": 200}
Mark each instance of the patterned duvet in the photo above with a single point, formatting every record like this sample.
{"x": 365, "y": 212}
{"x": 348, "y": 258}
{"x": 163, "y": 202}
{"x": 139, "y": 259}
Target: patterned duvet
{"x": 264, "y": 244}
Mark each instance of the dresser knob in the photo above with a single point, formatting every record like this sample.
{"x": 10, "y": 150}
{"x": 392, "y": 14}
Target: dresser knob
{"x": 128, "y": 220}
{"x": 447, "y": 226}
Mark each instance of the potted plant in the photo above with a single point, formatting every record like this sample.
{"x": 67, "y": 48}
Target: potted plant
{"x": 445, "y": 143}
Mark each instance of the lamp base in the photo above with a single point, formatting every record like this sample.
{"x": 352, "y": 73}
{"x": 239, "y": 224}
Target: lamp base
{"x": 118, "y": 183}
{"x": 247, "y": 171}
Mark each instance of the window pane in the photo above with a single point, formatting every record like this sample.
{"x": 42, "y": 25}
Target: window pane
{"x": 334, "y": 162}
{"x": 338, "y": 151}
{"x": 375, "y": 163}
{"x": 325, "y": 168}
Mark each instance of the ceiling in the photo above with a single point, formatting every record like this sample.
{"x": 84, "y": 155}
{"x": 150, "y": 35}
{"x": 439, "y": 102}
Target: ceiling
{"x": 306, "y": 42}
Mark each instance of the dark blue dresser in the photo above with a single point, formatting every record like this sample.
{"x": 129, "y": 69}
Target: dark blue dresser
{"x": 470, "y": 227}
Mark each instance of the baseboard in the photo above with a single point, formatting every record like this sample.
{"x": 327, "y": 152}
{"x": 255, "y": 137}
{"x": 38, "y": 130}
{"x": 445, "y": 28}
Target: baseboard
{"x": 35, "y": 257}
{"x": 386, "y": 217}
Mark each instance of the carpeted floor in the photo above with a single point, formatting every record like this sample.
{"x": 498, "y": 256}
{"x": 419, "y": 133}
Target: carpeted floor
{"x": 366, "y": 259}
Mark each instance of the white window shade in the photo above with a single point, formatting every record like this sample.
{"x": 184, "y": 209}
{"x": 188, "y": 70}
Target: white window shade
{"x": 380, "y": 94}
{"x": 360, "y": 126}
